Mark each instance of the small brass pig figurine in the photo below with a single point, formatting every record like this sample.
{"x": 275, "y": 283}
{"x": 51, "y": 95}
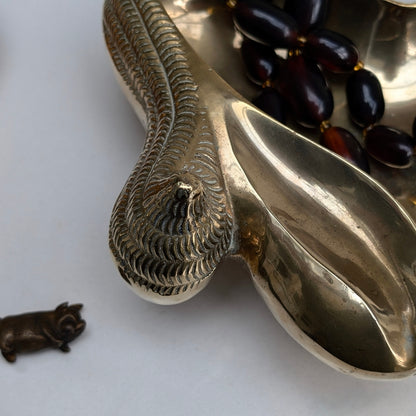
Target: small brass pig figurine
{"x": 36, "y": 330}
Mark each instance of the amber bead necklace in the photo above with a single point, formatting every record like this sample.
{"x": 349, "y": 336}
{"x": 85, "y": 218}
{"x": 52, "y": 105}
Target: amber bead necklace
{"x": 298, "y": 84}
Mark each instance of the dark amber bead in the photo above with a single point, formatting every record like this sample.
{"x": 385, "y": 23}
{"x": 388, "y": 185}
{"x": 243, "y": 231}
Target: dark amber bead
{"x": 365, "y": 97}
{"x": 260, "y": 60}
{"x": 343, "y": 143}
{"x": 304, "y": 88}
{"x": 332, "y": 50}
{"x": 307, "y": 13}
{"x": 390, "y": 146}
{"x": 265, "y": 23}
{"x": 270, "y": 101}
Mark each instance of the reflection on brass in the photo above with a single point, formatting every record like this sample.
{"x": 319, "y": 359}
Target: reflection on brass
{"x": 34, "y": 331}
{"x": 330, "y": 251}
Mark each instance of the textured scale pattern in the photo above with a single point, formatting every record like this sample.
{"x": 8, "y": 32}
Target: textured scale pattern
{"x": 171, "y": 224}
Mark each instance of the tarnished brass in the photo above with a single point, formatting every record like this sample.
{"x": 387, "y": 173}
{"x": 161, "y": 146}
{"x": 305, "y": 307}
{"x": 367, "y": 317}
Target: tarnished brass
{"x": 331, "y": 252}
{"x": 34, "y": 331}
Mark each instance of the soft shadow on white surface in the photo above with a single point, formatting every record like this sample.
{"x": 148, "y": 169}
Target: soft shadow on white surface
{"x": 69, "y": 141}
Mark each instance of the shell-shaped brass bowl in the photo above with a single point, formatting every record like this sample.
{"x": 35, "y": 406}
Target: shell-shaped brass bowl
{"x": 332, "y": 253}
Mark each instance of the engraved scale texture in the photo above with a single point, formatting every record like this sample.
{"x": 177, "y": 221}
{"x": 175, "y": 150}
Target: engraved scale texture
{"x": 172, "y": 222}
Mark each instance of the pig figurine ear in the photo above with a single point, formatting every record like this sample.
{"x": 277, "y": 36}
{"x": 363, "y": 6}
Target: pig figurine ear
{"x": 76, "y": 307}
{"x": 62, "y": 306}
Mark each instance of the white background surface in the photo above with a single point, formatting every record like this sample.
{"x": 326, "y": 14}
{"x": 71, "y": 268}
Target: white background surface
{"x": 68, "y": 142}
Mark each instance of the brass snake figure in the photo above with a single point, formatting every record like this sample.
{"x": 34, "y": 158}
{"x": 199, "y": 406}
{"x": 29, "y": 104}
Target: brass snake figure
{"x": 330, "y": 251}
{"x": 172, "y": 223}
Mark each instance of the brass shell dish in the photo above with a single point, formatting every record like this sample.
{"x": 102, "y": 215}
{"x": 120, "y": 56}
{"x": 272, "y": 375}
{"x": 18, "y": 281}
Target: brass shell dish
{"x": 331, "y": 252}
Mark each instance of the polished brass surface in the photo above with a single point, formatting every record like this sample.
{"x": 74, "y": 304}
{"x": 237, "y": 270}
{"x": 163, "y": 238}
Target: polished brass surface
{"x": 331, "y": 252}
{"x": 386, "y": 37}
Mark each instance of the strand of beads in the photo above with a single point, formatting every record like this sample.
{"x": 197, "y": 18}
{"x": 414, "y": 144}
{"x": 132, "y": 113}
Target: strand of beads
{"x": 298, "y": 83}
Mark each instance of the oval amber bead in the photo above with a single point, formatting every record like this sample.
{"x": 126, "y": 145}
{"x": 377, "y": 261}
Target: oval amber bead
{"x": 307, "y": 13}
{"x": 265, "y": 23}
{"x": 304, "y": 88}
{"x": 270, "y": 101}
{"x": 365, "y": 97}
{"x": 343, "y": 143}
{"x": 332, "y": 50}
{"x": 260, "y": 60}
{"x": 390, "y": 146}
